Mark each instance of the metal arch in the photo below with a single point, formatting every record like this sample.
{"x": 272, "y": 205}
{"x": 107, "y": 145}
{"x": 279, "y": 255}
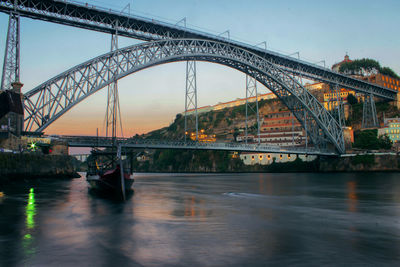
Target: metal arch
{"x": 74, "y": 85}
{"x": 100, "y": 19}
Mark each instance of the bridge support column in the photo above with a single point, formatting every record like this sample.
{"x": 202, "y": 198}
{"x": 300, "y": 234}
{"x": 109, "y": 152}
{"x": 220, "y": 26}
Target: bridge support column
{"x": 191, "y": 100}
{"x": 252, "y": 107}
{"x": 370, "y": 118}
{"x": 113, "y": 113}
{"x": 338, "y": 108}
{"x": 11, "y": 67}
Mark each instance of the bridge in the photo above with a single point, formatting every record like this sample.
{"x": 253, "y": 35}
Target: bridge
{"x": 166, "y": 43}
{"x": 131, "y": 143}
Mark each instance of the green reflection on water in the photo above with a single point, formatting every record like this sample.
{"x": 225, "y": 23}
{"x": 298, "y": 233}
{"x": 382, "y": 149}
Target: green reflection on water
{"x": 30, "y": 210}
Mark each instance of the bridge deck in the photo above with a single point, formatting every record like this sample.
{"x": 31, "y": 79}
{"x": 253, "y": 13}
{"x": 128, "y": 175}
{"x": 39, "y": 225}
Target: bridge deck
{"x": 86, "y": 141}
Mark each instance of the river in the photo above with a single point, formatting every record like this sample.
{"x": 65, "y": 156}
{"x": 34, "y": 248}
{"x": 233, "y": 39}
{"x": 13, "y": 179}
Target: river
{"x": 305, "y": 219}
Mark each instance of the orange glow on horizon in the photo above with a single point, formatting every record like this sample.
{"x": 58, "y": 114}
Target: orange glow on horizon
{"x": 88, "y": 126}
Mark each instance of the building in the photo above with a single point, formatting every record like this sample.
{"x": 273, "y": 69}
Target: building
{"x": 336, "y": 66}
{"x": 11, "y": 112}
{"x": 269, "y": 158}
{"x": 383, "y": 80}
{"x": 279, "y": 129}
{"x": 391, "y": 129}
{"x": 202, "y": 137}
{"x": 330, "y": 100}
{"x": 230, "y": 104}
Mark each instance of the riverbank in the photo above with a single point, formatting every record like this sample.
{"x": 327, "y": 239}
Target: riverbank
{"x": 361, "y": 163}
{"x": 170, "y": 161}
{"x": 30, "y": 165}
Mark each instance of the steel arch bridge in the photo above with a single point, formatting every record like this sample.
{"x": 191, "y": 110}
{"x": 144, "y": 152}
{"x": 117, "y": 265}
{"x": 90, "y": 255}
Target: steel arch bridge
{"x": 50, "y": 100}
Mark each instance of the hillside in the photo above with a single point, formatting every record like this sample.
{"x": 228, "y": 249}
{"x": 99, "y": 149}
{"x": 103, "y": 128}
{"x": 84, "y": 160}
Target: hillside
{"x": 225, "y": 123}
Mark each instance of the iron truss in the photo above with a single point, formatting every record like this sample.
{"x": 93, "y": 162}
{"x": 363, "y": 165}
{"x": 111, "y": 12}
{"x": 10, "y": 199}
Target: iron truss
{"x": 99, "y": 19}
{"x": 47, "y": 102}
{"x": 93, "y": 141}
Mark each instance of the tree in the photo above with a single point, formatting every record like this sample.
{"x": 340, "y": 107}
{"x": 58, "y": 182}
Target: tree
{"x": 366, "y": 67}
{"x": 385, "y": 142}
{"x": 389, "y": 72}
{"x": 351, "y": 99}
{"x": 368, "y": 139}
{"x": 362, "y": 67}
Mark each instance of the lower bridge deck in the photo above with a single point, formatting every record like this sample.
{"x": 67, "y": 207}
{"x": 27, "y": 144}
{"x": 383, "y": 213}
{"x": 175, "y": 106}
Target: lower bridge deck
{"x": 87, "y": 141}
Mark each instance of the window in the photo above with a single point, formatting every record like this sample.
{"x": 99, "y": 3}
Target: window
{"x": 261, "y": 157}
{"x": 252, "y": 157}
{"x": 269, "y": 157}
{"x": 280, "y": 156}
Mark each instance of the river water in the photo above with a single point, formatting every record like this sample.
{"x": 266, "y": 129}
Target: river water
{"x": 205, "y": 220}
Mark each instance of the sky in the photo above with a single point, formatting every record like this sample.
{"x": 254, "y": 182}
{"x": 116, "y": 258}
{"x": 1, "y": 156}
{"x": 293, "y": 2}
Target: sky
{"x": 150, "y": 99}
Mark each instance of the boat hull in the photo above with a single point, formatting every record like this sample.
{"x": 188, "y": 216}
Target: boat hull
{"x": 110, "y": 182}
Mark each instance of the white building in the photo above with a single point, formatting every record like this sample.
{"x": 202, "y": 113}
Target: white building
{"x": 268, "y": 158}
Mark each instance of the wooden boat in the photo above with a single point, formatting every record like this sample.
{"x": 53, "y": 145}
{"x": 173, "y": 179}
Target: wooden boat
{"x": 110, "y": 181}
{"x": 106, "y": 179}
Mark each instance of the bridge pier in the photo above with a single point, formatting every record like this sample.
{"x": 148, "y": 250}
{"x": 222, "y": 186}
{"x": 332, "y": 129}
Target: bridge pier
{"x": 370, "y": 118}
{"x": 191, "y": 99}
{"x": 251, "y": 91}
{"x": 11, "y": 65}
{"x": 337, "y": 107}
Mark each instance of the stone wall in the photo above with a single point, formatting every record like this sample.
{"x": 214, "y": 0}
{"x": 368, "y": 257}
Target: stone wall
{"x": 30, "y": 165}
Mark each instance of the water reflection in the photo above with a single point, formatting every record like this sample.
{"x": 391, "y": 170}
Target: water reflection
{"x": 198, "y": 220}
{"x": 352, "y": 196}
{"x": 30, "y": 212}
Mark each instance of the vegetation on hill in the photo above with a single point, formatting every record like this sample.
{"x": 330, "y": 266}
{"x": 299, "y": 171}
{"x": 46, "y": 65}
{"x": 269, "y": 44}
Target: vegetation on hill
{"x": 365, "y": 67}
{"x": 368, "y": 139}
{"x": 214, "y": 161}
{"x": 226, "y": 123}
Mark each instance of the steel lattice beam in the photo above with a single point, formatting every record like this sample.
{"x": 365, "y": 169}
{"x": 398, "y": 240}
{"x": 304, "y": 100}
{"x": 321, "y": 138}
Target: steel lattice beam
{"x": 370, "y": 118}
{"x": 98, "y": 19}
{"x": 71, "y": 87}
{"x": 191, "y": 99}
{"x": 11, "y": 68}
{"x": 252, "y": 107}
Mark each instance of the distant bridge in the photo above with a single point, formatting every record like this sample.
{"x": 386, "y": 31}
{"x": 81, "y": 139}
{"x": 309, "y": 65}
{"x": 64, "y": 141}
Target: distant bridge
{"x": 94, "y": 141}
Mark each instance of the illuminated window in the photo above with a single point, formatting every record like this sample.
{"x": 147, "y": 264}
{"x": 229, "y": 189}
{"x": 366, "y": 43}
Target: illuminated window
{"x": 269, "y": 157}
{"x": 288, "y": 156}
{"x": 280, "y": 156}
{"x": 252, "y": 157}
{"x": 261, "y": 157}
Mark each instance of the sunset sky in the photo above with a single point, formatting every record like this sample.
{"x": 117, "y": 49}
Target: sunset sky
{"x": 150, "y": 99}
